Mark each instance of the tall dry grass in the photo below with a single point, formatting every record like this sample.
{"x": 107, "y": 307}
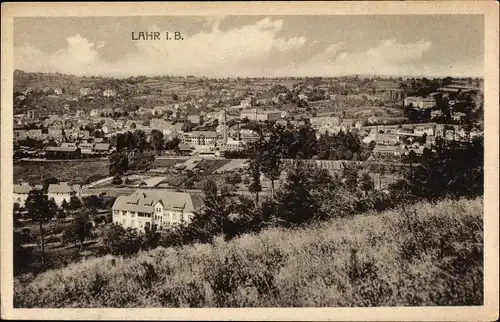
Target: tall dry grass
{"x": 429, "y": 254}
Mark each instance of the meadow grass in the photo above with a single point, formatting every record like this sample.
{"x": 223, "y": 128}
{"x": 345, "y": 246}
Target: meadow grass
{"x": 82, "y": 171}
{"x": 426, "y": 254}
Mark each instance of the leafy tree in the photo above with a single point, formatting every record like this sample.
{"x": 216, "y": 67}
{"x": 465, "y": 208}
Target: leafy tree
{"x": 23, "y": 256}
{"x": 92, "y": 202}
{"x": 350, "y": 174}
{"x": 82, "y": 227}
{"x": 233, "y": 178}
{"x": 140, "y": 140}
{"x": 298, "y": 198}
{"x": 61, "y": 214}
{"x": 366, "y": 183}
{"x": 118, "y": 163}
{"x": 120, "y": 241}
{"x": 268, "y": 154}
{"x": 187, "y": 126}
{"x": 213, "y": 218}
{"x": 150, "y": 239}
{"x": 172, "y": 144}
{"x": 117, "y": 180}
{"x": 65, "y": 206}
{"x": 75, "y": 203}
{"x": 157, "y": 140}
{"x": 255, "y": 186}
{"x": 39, "y": 209}
{"x": 454, "y": 170}
{"x": 48, "y": 181}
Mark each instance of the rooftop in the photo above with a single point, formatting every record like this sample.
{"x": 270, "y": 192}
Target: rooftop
{"x": 144, "y": 200}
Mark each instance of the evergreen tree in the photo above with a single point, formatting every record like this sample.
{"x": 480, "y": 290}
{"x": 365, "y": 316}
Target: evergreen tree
{"x": 40, "y": 210}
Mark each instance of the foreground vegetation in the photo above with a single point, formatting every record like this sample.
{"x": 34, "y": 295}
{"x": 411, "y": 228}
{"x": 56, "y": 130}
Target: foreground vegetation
{"x": 426, "y": 254}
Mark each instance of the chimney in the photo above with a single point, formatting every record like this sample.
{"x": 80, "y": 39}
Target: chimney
{"x": 224, "y": 125}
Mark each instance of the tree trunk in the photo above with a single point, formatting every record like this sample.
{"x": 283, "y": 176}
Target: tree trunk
{"x": 256, "y": 199}
{"x": 272, "y": 189}
{"x": 43, "y": 244}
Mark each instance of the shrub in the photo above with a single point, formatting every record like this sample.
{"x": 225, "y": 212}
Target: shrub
{"x": 117, "y": 180}
{"x": 120, "y": 241}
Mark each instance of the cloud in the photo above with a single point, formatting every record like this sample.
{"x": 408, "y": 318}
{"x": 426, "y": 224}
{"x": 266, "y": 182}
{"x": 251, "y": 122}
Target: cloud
{"x": 388, "y": 57}
{"x": 210, "y": 53}
{"x": 243, "y": 51}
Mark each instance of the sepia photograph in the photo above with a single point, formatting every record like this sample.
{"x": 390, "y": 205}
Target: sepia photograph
{"x": 257, "y": 158}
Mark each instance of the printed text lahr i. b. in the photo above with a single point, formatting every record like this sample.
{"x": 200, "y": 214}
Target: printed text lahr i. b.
{"x": 156, "y": 35}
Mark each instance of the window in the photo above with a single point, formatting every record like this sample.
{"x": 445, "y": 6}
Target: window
{"x": 132, "y": 223}
{"x": 124, "y": 222}
{"x": 174, "y": 216}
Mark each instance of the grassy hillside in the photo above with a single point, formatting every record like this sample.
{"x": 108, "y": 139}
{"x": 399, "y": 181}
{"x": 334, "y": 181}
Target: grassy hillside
{"x": 429, "y": 254}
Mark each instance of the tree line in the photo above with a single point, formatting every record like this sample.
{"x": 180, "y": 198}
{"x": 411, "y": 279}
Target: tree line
{"x": 301, "y": 143}
{"x": 310, "y": 194}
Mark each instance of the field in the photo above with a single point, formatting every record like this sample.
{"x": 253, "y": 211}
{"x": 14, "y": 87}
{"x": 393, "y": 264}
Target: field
{"x": 428, "y": 254}
{"x": 81, "y": 172}
{"x": 167, "y": 163}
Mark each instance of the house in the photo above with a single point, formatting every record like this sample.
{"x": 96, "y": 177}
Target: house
{"x": 419, "y": 102}
{"x": 94, "y": 112}
{"x": 34, "y": 134}
{"x": 86, "y": 148}
{"x": 79, "y": 113}
{"x": 302, "y": 97}
{"x": 161, "y": 124}
{"x": 387, "y": 139}
{"x": 317, "y": 122}
{"x": 199, "y": 139}
{"x": 159, "y": 110}
{"x": 109, "y": 93}
{"x": 63, "y": 191}
{"x": 65, "y": 151}
{"x": 84, "y": 91}
{"x": 58, "y": 91}
{"x": 155, "y": 209}
{"x": 388, "y": 150}
{"x": 195, "y": 119}
{"x": 247, "y": 102}
{"x": 102, "y": 148}
{"x": 20, "y": 134}
{"x": 108, "y": 111}
{"x": 21, "y": 191}
{"x": 254, "y": 115}
{"x": 30, "y": 114}
{"x": 55, "y": 132}
{"x": 153, "y": 182}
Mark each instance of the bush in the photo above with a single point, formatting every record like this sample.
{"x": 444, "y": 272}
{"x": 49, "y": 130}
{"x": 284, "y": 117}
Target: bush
{"x": 117, "y": 180}
{"x": 53, "y": 239}
{"x": 120, "y": 241}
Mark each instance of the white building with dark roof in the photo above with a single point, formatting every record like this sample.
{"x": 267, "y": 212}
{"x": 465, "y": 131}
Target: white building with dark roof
{"x": 63, "y": 191}
{"x": 21, "y": 191}
{"x": 154, "y": 208}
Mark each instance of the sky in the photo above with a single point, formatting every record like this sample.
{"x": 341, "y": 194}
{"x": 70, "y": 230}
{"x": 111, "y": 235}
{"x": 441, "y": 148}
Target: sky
{"x": 254, "y": 46}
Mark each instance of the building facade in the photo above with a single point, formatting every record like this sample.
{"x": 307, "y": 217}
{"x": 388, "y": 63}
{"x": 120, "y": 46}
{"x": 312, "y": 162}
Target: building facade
{"x": 63, "y": 191}
{"x": 155, "y": 209}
